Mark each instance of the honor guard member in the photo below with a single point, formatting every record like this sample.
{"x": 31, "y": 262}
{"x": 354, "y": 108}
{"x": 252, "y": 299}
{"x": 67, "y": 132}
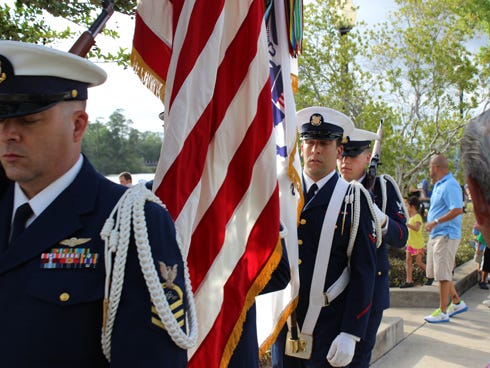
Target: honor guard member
{"x": 392, "y": 216}
{"x": 337, "y": 236}
{"x": 52, "y": 259}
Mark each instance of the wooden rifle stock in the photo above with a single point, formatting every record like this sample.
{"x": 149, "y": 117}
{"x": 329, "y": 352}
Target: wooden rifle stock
{"x": 83, "y": 45}
{"x": 87, "y": 39}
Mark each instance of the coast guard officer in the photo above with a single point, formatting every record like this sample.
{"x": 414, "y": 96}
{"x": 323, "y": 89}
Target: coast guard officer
{"x": 52, "y": 270}
{"x": 337, "y": 237}
{"x": 392, "y": 216}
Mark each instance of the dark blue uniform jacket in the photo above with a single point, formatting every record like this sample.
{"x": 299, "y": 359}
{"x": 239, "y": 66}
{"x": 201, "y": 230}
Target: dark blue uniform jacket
{"x": 349, "y": 312}
{"x": 53, "y": 317}
{"x": 396, "y": 236}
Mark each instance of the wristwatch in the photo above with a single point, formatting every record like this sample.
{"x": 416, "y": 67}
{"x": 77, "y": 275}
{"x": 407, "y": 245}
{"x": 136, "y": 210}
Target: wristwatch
{"x": 436, "y": 221}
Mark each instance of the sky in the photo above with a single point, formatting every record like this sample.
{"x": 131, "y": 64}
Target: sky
{"x": 123, "y": 89}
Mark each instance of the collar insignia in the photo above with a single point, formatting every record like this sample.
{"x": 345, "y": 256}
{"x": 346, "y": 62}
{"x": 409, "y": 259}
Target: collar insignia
{"x": 73, "y": 242}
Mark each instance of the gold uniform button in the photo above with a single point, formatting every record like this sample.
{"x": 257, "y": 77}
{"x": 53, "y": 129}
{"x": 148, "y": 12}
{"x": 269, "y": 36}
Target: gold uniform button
{"x": 299, "y": 261}
{"x": 302, "y": 221}
{"x": 64, "y": 297}
{"x": 379, "y": 273}
{"x": 300, "y": 241}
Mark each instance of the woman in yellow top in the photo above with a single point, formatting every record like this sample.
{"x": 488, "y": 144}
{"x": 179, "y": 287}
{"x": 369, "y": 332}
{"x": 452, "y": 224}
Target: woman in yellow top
{"x": 415, "y": 241}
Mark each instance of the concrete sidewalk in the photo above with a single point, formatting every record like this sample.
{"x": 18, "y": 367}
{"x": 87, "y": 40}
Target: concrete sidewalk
{"x": 406, "y": 340}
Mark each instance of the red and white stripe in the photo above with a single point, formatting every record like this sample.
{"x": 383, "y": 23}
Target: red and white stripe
{"x": 217, "y": 169}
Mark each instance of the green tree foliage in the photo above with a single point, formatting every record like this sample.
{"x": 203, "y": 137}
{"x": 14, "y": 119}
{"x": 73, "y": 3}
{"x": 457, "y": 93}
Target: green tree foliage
{"x": 431, "y": 78}
{"x": 331, "y": 73}
{"x": 114, "y": 146}
{"x": 25, "y": 21}
{"x": 416, "y": 70}
{"x": 26, "y": 24}
{"x": 475, "y": 14}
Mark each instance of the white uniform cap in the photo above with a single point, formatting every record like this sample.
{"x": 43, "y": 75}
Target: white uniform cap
{"x": 362, "y": 135}
{"x": 36, "y": 60}
{"x": 33, "y": 78}
{"x": 323, "y": 123}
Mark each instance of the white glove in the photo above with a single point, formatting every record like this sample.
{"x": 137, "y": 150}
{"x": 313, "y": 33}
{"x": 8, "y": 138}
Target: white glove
{"x": 380, "y": 215}
{"x": 342, "y": 350}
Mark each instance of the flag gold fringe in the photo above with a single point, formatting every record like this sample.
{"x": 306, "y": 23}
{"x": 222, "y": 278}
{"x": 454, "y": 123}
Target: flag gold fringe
{"x": 148, "y": 77}
{"x": 261, "y": 281}
{"x": 266, "y": 345}
{"x": 296, "y": 180}
{"x": 294, "y": 82}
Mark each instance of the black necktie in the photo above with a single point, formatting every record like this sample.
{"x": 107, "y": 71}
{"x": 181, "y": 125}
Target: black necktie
{"x": 21, "y": 215}
{"x": 311, "y": 192}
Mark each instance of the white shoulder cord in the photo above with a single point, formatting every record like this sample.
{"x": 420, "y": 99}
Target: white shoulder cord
{"x": 131, "y": 206}
{"x": 352, "y": 198}
{"x": 383, "y": 178}
{"x": 382, "y": 183}
{"x": 355, "y": 192}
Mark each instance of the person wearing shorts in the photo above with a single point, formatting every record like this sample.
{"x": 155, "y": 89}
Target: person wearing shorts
{"x": 415, "y": 241}
{"x": 444, "y": 222}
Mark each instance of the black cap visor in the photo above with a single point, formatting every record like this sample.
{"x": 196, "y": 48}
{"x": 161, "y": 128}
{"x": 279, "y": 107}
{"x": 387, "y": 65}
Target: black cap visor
{"x": 353, "y": 151}
{"x": 320, "y": 135}
{"x": 25, "y": 95}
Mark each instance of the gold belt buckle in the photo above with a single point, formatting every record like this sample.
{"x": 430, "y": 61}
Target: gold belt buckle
{"x": 300, "y": 348}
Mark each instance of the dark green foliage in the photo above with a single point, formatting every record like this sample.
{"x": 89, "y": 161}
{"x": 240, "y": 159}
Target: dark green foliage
{"x": 114, "y": 146}
{"x": 26, "y": 21}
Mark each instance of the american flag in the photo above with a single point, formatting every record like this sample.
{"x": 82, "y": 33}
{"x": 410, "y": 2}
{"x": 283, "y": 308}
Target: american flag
{"x": 274, "y": 308}
{"x": 217, "y": 168}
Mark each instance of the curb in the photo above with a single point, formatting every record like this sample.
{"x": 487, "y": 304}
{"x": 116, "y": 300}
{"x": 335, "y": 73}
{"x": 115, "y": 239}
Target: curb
{"x": 390, "y": 333}
{"x": 465, "y": 276}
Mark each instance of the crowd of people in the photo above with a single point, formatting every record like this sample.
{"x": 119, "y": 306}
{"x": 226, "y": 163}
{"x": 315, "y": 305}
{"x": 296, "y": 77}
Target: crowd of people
{"x": 348, "y": 220}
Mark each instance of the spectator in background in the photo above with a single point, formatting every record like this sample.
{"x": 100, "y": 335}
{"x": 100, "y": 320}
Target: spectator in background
{"x": 475, "y": 155}
{"x": 125, "y": 179}
{"x": 485, "y": 263}
{"x": 444, "y": 226}
{"x": 415, "y": 241}
{"x": 480, "y": 245}
{"x": 426, "y": 189}
{"x": 485, "y": 269}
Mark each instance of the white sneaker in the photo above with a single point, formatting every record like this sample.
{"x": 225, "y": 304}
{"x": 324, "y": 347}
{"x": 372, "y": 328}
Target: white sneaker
{"x": 454, "y": 309}
{"x": 437, "y": 317}
{"x": 486, "y": 302}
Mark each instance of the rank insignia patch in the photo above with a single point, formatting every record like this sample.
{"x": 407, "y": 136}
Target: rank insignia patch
{"x": 69, "y": 258}
{"x": 173, "y": 294}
